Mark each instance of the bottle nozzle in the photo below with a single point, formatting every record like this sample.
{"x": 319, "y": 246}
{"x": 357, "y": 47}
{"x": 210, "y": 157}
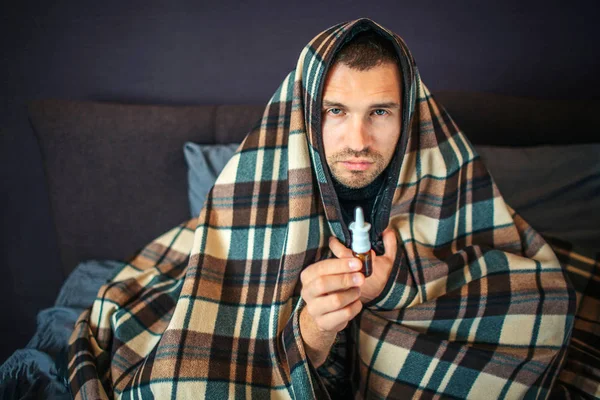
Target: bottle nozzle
{"x": 359, "y": 217}
{"x": 360, "y": 232}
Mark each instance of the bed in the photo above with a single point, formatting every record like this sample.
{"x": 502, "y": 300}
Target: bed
{"x": 110, "y": 166}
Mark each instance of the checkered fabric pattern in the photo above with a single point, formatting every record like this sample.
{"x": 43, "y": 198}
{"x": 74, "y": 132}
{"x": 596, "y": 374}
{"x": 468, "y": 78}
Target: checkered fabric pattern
{"x": 580, "y": 375}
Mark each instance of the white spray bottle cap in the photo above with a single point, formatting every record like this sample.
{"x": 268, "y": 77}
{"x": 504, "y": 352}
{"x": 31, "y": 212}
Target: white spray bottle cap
{"x": 360, "y": 232}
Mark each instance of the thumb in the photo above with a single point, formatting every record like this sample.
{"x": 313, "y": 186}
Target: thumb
{"x": 390, "y": 243}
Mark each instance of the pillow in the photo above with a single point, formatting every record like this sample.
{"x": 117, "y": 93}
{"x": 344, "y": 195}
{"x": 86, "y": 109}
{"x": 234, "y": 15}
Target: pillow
{"x": 205, "y": 162}
{"x": 555, "y": 188}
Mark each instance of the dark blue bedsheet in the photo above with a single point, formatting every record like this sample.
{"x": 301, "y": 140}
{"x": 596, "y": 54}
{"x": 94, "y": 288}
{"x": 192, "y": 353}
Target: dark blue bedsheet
{"x": 39, "y": 371}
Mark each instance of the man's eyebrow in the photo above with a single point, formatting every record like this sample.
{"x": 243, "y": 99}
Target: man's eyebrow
{"x": 327, "y": 103}
{"x": 389, "y": 104}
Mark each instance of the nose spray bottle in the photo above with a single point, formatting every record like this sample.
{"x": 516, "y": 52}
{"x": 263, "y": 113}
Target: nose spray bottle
{"x": 361, "y": 246}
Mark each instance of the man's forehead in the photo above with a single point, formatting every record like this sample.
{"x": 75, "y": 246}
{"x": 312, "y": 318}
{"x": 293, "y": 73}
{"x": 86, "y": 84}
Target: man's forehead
{"x": 380, "y": 84}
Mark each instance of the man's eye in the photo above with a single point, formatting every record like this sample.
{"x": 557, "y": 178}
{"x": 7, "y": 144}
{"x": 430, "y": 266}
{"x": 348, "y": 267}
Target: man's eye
{"x": 334, "y": 111}
{"x": 380, "y": 112}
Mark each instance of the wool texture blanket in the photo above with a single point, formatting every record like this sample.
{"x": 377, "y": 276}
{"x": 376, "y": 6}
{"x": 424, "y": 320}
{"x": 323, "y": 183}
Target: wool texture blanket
{"x": 477, "y": 305}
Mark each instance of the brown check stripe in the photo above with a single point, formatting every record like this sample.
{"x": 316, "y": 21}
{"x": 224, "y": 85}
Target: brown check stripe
{"x": 477, "y": 306}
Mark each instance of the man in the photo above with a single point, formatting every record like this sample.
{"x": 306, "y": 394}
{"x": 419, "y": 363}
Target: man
{"x": 361, "y": 122}
{"x": 466, "y": 300}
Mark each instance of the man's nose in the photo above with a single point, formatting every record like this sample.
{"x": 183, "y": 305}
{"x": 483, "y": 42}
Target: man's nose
{"x": 359, "y": 137}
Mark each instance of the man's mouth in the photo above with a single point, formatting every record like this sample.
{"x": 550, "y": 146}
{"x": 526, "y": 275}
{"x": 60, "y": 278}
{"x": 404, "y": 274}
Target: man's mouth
{"x": 356, "y": 165}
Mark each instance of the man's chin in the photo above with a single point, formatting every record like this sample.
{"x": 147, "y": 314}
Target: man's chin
{"x": 354, "y": 180}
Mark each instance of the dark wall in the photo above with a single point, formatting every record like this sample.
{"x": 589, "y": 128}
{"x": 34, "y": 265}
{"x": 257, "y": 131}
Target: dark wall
{"x": 188, "y": 52}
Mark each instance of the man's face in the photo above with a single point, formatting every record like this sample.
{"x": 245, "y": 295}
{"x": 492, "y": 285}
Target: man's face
{"x": 361, "y": 121}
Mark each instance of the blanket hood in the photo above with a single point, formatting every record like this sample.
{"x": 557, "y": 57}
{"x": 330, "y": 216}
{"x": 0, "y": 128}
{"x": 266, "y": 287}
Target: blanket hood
{"x": 314, "y": 63}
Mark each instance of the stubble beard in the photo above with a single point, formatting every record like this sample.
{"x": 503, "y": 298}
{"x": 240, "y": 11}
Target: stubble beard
{"x": 355, "y": 179}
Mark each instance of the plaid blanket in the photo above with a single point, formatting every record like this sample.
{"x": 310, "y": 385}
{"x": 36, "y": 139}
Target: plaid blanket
{"x": 477, "y": 304}
{"x": 580, "y": 375}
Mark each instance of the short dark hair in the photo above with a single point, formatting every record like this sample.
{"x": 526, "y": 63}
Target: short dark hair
{"x": 365, "y": 51}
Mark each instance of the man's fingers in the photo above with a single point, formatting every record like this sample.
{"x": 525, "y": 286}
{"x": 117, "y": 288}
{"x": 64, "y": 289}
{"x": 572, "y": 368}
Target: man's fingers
{"x": 332, "y": 266}
{"x": 390, "y": 242}
{"x": 332, "y": 283}
{"x": 338, "y": 249}
{"x": 332, "y": 302}
{"x": 337, "y": 320}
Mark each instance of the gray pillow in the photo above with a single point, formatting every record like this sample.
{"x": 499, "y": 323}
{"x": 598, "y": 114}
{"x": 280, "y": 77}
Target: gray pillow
{"x": 555, "y": 188}
{"x": 204, "y": 162}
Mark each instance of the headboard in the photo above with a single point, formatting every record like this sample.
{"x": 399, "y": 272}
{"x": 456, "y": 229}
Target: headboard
{"x": 117, "y": 178}
{"x": 116, "y": 173}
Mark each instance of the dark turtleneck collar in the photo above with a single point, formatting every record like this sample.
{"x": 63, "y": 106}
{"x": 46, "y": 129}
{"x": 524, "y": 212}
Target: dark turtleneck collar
{"x": 363, "y": 197}
{"x": 345, "y": 193}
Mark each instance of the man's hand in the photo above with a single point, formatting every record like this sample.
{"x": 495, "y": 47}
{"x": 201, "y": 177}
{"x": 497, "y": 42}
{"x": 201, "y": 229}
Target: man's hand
{"x": 382, "y": 265}
{"x": 331, "y": 290}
